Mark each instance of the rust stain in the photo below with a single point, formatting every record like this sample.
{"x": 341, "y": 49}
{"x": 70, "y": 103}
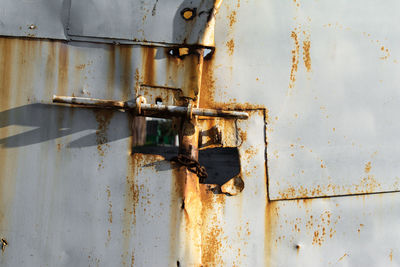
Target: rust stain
{"x": 212, "y": 233}
{"x": 125, "y": 54}
{"x": 321, "y": 231}
{"x": 232, "y": 18}
{"x": 9, "y": 71}
{"x": 367, "y": 168}
{"x": 131, "y": 200}
{"x": 63, "y": 62}
{"x": 103, "y": 118}
{"x": 306, "y": 54}
{"x": 366, "y": 185}
{"x": 391, "y": 255}
{"x": 148, "y": 65}
{"x": 386, "y": 53}
{"x": 341, "y": 258}
{"x": 295, "y": 59}
{"x": 110, "y": 218}
{"x": 271, "y": 218}
{"x": 80, "y": 66}
{"x": 231, "y": 46}
{"x": 207, "y": 92}
{"x": 50, "y": 75}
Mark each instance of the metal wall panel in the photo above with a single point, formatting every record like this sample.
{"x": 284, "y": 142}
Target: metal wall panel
{"x": 34, "y": 18}
{"x": 72, "y": 193}
{"x": 141, "y": 21}
{"x": 327, "y": 73}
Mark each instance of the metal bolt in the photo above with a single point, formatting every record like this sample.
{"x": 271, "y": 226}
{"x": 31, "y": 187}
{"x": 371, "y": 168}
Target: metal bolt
{"x": 188, "y": 13}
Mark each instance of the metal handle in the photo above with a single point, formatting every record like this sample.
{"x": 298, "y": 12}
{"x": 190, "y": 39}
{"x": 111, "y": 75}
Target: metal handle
{"x": 168, "y": 110}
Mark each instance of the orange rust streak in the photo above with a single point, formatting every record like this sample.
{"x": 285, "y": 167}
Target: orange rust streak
{"x": 148, "y": 65}
{"x": 271, "y": 217}
{"x": 110, "y": 218}
{"x": 306, "y": 54}
{"x": 295, "y": 59}
{"x": 103, "y": 118}
{"x": 130, "y": 204}
{"x": 368, "y": 167}
{"x": 211, "y": 242}
{"x": 63, "y": 62}
{"x": 232, "y": 19}
{"x": 341, "y": 258}
{"x": 7, "y": 61}
{"x": 125, "y": 53}
{"x": 231, "y": 46}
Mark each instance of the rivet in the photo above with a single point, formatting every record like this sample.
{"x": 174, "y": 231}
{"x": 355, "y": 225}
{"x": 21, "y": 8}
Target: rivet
{"x": 188, "y": 13}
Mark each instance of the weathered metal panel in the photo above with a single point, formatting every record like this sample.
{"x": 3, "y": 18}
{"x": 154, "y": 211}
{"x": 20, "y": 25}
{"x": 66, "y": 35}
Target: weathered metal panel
{"x": 34, "y": 18}
{"x": 327, "y": 73}
{"x": 142, "y": 21}
{"x": 321, "y": 75}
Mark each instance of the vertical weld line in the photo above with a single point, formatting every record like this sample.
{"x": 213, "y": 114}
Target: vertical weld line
{"x": 266, "y": 154}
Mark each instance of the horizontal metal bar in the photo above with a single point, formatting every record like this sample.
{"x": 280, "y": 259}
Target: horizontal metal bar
{"x": 172, "y": 110}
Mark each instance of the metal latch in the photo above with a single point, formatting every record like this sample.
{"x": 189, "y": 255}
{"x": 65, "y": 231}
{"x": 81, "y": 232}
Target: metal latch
{"x": 155, "y": 110}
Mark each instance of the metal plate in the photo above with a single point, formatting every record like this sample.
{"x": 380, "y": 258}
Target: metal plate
{"x": 34, "y": 18}
{"x": 327, "y": 73}
{"x": 140, "y": 21}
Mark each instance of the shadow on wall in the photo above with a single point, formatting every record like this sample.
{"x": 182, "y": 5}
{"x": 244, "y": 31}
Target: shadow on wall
{"x": 221, "y": 163}
{"x": 47, "y": 122}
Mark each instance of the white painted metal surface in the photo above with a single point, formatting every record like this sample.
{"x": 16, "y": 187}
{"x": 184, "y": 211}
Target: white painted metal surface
{"x": 325, "y": 72}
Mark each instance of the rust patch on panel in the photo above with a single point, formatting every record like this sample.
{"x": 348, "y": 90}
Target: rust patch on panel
{"x": 306, "y": 54}
{"x": 367, "y": 168}
{"x": 211, "y": 239}
{"x": 232, "y": 18}
{"x": 131, "y": 200}
{"x": 231, "y": 46}
{"x": 103, "y": 118}
{"x": 9, "y": 71}
{"x": 50, "y": 76}
{"x": 295, "y": 59}
{"x": 271, "y": 218}
{"x": 110, "y": 217}
{"x": 366, "y": 185}
{"x": 148, "y": 65}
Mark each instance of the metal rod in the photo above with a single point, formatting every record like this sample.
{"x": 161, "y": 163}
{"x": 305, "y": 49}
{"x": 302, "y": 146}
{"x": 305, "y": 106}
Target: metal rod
{"x": 173, "y": 110}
